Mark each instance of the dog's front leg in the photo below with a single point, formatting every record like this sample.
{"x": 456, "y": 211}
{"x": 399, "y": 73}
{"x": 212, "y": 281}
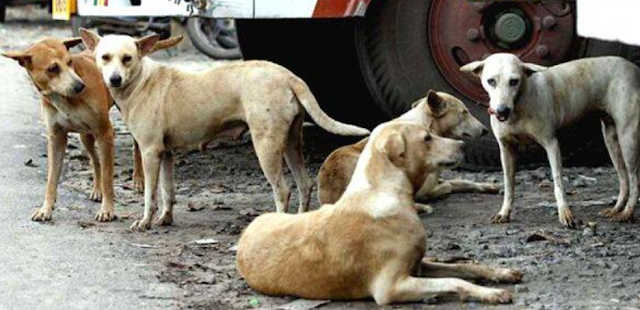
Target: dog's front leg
{"x": 106, "y": 154}
{"x": 508, "y": 160}
{"x": 555, "y": 161}
{"x": 167, "y": 189}
{"x": 411, "y": 289}
{"x": 151, "y": 163}
{"x": 471, "y": 272}
{"x": 56, "y": 146}
{"x": 89, "y": 143}
{"x": 464, "y": 186}
{"x": 138, "y": 173}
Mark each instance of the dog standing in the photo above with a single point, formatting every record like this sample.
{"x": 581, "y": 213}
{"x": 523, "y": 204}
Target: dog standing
{"x": 74, "y": 99}
{"x": 531, "y": 102}
{"x": 167, "y": 109}
{"x": 371, "y": 242}
{"x": 445, "y": 116}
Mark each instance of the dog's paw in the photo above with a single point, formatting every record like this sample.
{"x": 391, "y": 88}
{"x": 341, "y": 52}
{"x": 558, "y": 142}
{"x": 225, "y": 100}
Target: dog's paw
{"x": 41, "y": 215}
{"x": 500, "y": 218}
{"x": 138, "y": 184}
{"x": 609, "y": 212}
{"x": 506, "y": 275}
{"x": 623, "y": 216}
{"x": 496, "y": 296}
{"x": 423, "y": 208}
{"x": 140, "y": 225}
{"x": 105, "y": 215}
{"x": 491, "y": 188}
{"x": 566, "y": 219}
{"x": 166, "y": 219}
{"x": 96, "y": 194}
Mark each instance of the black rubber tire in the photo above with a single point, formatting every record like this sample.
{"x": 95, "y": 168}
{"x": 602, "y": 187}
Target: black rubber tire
{"x": 3, "y": 11}
{"x": 200, "y": 40}
{"x": 394, "y": 54}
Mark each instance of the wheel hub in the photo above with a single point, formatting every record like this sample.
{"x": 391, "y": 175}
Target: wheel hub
{"x": 463, "y": 31}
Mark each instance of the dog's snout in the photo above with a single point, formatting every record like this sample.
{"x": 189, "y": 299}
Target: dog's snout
{"x": 78, "y": 87}
{"x": 503, "y": 112}
{"x": 115, "y": 80}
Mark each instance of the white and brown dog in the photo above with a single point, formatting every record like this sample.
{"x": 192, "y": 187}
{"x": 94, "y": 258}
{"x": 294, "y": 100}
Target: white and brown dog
{"x": 531, "y": 102}
{"x": 168, "y": 108}
{"x": 370, "y": 243}
{"x": 445, "y": 116}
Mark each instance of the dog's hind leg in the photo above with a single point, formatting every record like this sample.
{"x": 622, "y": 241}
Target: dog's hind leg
{"x": 167, "y": 189}
{"x": 88, "y": 141}
{"x": 613, "y": 146}
{"x": 270, "y": 148}
{"x": 628, "y": 133}
{"x": 138, "y": 173}
{"x": 410, "y": 289}
{"x": 469, "y": 272}
{"x": 106, "y": 154}
{"x": 56, "y": 147}
{"x": 151, "y": 159}
{"x": 552, "y": 148}
{"x": 295, "y": 160}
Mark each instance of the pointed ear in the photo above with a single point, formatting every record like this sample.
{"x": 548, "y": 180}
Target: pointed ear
{"x": 474, "y": 68}
{"x": 530, "y": 69}
{"x": 90, "y": 39}
{"x": 22, "y": 58}
{"x": 168, "y": 43}
{"x": 71, "y": 42}
{"x": 146, "y": 45}
{"x": 393, "y": 146}
{"x": 436, "y": 103}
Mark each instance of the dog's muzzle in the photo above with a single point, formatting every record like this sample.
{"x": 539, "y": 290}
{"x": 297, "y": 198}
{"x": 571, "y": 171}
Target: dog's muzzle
{"x": 502, "y": 113}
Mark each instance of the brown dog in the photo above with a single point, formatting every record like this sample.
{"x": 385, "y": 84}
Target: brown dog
{"x": 371, "y": 243}
{"x": 75, "y": 99}
{"x": 445, "y": 116}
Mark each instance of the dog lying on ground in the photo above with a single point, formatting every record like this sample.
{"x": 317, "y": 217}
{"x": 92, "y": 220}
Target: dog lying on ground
{"x": 445, "y": 116}
{"x": 532, "y": 102}
{"x": 167, "y": 108}
{"x": 371, "y": 242}
{"x": 75, "y": 99}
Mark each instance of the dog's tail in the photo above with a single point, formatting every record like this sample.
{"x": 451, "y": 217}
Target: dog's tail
{"x": 310, "y": 104}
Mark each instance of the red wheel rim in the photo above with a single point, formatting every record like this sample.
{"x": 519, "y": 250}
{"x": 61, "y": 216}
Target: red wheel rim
{"x": 462, "y": 31}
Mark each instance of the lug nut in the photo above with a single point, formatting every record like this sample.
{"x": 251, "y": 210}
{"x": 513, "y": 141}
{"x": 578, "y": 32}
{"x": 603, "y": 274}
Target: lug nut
{"x": 542, "y": 51}
{"x": 473, "y": 34}
{"x": 548, "y": 22}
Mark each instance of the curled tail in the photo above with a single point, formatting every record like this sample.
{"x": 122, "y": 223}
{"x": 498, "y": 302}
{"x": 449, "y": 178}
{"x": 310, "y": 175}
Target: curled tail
{"x": 310, "y": 104}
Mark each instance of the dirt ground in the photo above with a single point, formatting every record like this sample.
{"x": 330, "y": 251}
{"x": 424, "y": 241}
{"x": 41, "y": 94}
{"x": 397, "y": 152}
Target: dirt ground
{"x": 221, "y": 190}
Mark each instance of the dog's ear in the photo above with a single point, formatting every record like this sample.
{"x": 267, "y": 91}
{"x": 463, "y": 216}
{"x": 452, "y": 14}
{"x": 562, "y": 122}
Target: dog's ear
{"x": 393, "y": 146}
{"x": 530, "y": 69}
{"x": 22, "y": 58}
{"x": 474, "y": 68}
{"x": 71, "y": 42}
{"x": 147, "y": 44}
{"x": 436, "y": 103}
{"x": 90, "y": 39}
{"x": 168, "y": 43}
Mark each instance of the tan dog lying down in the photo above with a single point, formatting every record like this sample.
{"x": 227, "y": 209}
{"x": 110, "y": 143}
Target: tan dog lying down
{"x": 371, "y": 242}
{"x": 445, "y": 116}
{"x": 167, "y": 109}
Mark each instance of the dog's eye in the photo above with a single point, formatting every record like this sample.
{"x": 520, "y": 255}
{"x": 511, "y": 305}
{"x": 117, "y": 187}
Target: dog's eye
{"x": 513, "y": 82}
{"x": 427, "y": 138}
{"x": 106, "y": 57}
{"x": 491, "y": 82}
{"x": 126, "y": 59}
{"x": 53, "y": 68}
{"x": 69, "y": 63}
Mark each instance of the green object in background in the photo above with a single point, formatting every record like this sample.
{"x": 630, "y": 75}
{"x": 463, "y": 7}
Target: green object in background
{"x": 254, "y": 302}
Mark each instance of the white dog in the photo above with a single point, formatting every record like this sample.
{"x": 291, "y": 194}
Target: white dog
{"x": 532, "y": 102}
